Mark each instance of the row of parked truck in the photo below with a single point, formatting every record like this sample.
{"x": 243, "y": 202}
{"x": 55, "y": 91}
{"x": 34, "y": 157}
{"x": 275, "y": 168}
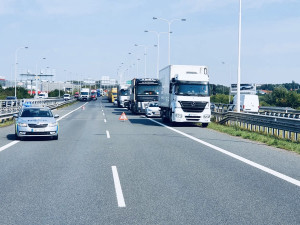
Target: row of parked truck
{"x": 181, "y": 92}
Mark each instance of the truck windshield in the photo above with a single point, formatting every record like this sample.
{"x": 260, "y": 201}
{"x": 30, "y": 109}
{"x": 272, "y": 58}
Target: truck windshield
{"x": 192, "y": 89}
{"x": 84, "y": 93}
{"x": 124, "y": 92}
{"x": 147, "y": 90}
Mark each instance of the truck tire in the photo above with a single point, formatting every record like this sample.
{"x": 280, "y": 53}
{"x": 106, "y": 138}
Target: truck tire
{"x": 204, "y": 124}
{"x": 164, "y": 116}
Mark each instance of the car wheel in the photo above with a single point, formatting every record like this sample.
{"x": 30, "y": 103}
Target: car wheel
{"x": 17, "y": 137}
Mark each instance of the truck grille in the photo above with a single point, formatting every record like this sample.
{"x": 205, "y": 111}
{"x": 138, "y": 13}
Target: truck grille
{"x": 37, "y": 125}
{"x": 190, "y": 106}
{"x": 147, "y": 98}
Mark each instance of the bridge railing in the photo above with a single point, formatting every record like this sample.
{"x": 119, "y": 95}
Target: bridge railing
{"x": 7, "y": 110}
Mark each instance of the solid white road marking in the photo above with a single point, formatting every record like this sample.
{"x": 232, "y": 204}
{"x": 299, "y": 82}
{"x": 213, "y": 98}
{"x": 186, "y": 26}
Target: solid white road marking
{"x": 107, "y": 134}
{"x": 8, "y": 145}
{"x": 119, "y": 193}
{"x": 103, "y": 114}
{"x": 71, "y": 112}
{"x": 249, "y": 162}
{"x": 104, "y": 120}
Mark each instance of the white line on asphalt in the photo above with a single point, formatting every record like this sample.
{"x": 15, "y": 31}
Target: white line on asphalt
{"x": 104, "y": 120}
{"x": 107, "y": 134}
{"x": 71, "y": 112}
{"x": 103, "y": 114}
{"x": 8, "y": 145}
{"x": 15, "y": 142}
{"x": 119, "y": 193}
{"x": 249, "y": 162}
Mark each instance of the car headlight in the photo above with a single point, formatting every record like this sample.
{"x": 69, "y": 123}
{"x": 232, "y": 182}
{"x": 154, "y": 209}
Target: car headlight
{"x": 52, "y": 124}
{"x": 22, "y": 124}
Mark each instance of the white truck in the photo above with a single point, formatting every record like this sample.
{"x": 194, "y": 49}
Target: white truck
{"x": 85, "y": 94}
{"x": 123, "y": 95}
{"x": 184, "y": 94}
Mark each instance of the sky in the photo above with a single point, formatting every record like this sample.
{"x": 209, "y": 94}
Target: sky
{"x": 83, "y": 39}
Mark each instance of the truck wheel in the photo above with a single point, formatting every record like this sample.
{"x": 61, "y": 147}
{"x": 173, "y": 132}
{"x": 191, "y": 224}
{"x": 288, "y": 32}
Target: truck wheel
{"x": 204, "y": 124}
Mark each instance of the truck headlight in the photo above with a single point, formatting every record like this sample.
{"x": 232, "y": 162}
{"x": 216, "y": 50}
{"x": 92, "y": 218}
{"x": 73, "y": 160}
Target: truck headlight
{"x": 22, "y": 124}
{"x": 178, "y": 115}
{"x": 206, "y": 116}
{"x": 52, "y": 124}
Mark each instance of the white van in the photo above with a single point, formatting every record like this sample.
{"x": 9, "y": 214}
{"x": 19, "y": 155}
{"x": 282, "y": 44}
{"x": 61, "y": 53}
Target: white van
{"x": 43, "y": 95}
{"x": 248, "y": 103}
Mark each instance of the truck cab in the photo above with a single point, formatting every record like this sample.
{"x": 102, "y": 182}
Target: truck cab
{"x": 184, "y": 94}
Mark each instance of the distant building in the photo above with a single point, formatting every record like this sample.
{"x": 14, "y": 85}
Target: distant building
{"x": 2, "y": 81}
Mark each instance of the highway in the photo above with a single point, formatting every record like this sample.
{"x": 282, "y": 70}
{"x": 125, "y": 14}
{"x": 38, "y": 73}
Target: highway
{"x": 105, "y": 171}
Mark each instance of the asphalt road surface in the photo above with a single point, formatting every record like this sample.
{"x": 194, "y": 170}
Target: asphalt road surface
{"x": 141, "y": 171}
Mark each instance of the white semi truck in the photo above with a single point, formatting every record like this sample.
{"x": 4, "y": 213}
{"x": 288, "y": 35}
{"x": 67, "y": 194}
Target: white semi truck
{"x": 184, "y": 94}
{"x": 123, "y": 95}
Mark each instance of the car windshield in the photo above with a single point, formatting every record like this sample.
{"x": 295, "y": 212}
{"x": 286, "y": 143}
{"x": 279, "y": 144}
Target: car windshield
{"x": 192, "y": 89}
{"x": 36, "y": 113}
{"x": 66, "y": 95}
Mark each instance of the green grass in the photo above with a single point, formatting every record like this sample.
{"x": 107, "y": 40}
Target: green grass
{"x": 7, "y": 123}
{"x": 66, "y": 105}
{"x": 255, "y": 136}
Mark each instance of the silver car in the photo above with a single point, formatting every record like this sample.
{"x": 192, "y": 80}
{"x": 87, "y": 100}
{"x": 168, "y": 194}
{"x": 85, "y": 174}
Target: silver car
{"x": 153, "y": 110}
{"x": 36, "y": 122}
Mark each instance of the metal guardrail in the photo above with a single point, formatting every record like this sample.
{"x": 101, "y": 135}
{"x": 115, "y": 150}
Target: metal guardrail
{"x": 269, "y": 111}
{"x": 288, "y": 128}
{"x": 7, "y": 112}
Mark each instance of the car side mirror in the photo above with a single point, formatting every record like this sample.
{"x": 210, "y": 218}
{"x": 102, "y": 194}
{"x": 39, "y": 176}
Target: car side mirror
{"x": 56, "y": 116}
{"x": 16, "y": 116}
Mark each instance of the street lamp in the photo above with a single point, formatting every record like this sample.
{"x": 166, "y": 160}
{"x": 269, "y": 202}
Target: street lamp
{"x": 239, "y": 61}
{"x": 158, "y": 35}
{"x": 169, "y": 32}
{"x": 145, "y": 56}
{"x": 16, "y": 63}
{"x": 36, "y": 75}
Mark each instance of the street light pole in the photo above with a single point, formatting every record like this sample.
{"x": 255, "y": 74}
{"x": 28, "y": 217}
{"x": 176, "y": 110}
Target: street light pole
{"x": 145, "y": 57}
{"x": 16, "y": 64}
{"x": 169, "y": 33}
{"x": 158, "y": 36}
{"x": 36, "y": 80}
{"x": 239, "y": 61}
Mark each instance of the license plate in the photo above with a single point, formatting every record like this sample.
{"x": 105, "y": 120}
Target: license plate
{"x": 193, "y": 115}
{"x": 38, "y": 130}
